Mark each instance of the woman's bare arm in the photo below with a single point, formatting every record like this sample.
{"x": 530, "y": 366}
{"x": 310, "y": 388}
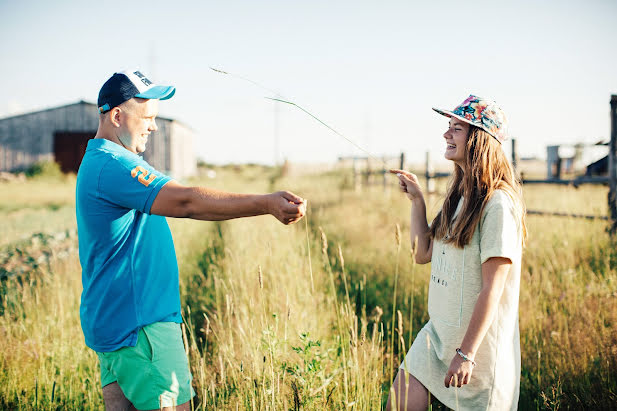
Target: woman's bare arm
{"x": 420, "y": 231}
{"x": 494, "y": 274}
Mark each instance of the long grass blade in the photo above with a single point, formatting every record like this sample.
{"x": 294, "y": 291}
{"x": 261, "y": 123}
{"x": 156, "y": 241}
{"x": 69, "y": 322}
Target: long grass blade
{"x": 280, "y": 99}
{"x": 368, "y": 153}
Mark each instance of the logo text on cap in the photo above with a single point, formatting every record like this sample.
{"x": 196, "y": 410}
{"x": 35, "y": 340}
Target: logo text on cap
{"x": 143, "y": 78}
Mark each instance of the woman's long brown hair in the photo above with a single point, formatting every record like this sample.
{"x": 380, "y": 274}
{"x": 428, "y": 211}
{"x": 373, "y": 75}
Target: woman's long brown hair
{"x": 488, "y": 170}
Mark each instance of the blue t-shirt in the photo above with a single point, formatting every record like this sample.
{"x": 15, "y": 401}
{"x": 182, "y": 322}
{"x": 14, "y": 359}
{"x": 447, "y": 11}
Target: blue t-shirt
{"x": 128, "y": 260}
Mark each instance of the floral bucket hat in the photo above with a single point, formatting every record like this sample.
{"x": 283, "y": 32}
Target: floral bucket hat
{"x": 482, "y": 113}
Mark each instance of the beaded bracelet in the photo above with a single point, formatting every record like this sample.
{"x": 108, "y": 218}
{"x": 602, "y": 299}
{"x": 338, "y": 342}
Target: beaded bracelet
{"x": 466, "y": 358}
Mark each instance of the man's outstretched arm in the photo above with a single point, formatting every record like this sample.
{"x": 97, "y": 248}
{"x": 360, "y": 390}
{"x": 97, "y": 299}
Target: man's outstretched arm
{"x": 201, "y": 203}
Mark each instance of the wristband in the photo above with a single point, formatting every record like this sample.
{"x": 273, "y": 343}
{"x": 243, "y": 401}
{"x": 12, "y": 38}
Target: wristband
{"x": 466, "y": 358}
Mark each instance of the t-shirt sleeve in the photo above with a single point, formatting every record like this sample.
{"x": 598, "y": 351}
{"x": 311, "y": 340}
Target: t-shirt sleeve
{"x": 499, "y": 230}
{"x": 130, "y": 185}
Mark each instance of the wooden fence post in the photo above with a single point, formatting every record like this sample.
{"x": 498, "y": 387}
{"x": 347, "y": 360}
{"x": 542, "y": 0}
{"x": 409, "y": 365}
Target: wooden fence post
{"x": 356, "y": 176}
{"x": 402, "y": 164}
{"x": 430, "y": 182}
{"x": 553, "y": 163}
{"x": 612, "y": 166}
{"x": 514, "y": 156}
{"x": 383, "y": 174}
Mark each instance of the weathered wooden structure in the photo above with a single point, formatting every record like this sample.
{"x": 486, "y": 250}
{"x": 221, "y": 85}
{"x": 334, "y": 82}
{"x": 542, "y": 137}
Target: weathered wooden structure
{"x": 612, "y": 166}
{"x": 365, "y": 177}
{"x": 61, "y": 134}
{"x": 554, "y": 173}
{"x": 554, "y": 166}
{"x": 567, "y": 158}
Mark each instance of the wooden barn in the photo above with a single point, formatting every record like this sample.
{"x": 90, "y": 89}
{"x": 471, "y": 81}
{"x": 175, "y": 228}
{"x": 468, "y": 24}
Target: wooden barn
{"x": 62, "y": 133}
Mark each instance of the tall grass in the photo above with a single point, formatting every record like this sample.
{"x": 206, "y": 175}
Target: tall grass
{"x": 285, "y": 317}
{"x": 44, "y": 362}
{"x": 40, "y": 204}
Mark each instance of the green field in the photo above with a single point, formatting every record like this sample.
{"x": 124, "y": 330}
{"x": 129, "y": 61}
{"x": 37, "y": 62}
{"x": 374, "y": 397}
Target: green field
{"x": 312, "y": 316}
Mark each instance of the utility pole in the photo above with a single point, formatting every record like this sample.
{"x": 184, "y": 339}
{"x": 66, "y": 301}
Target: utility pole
{"x": 276, "y": 132}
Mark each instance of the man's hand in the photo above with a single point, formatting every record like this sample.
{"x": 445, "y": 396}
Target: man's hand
{"x": 459, "y": 372}
{"x": 201, "y": 203}
{"x": 286, "y": 207}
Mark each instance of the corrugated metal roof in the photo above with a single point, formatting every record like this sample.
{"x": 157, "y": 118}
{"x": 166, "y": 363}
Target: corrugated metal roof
{"x": 80, "y": 102}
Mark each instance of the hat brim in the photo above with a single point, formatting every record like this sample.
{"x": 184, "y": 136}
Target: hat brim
{"x": 158, "y": 92}
{"x": 448, "y": 113}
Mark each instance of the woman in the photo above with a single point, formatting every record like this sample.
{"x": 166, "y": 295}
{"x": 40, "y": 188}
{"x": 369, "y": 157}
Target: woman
{"x": 475, "y": 244}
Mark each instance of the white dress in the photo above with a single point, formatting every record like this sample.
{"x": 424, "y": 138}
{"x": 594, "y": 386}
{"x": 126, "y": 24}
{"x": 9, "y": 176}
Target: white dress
{"x": 456, "y": 281}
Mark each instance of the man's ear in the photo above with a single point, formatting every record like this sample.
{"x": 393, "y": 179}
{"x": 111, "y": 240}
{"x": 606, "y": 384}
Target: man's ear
{"x": 114, "y": 116}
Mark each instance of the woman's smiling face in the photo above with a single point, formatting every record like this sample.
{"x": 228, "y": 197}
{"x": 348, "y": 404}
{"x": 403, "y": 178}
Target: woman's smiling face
{"x": 456, "y": 140}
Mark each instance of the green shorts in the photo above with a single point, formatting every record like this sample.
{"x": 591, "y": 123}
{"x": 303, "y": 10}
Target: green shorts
{"x": 153, "y": 374}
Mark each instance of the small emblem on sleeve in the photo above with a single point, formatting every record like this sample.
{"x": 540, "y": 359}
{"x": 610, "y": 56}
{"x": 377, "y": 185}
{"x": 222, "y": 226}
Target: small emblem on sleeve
{"x": 142, "y": 173}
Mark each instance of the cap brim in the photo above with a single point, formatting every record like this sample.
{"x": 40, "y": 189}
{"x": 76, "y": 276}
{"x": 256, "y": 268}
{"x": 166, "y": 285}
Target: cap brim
{"x": 158, "y": 92}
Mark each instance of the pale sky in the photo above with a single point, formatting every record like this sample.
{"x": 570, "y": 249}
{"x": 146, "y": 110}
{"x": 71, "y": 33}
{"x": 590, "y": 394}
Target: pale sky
{"x": 371, "y": 70}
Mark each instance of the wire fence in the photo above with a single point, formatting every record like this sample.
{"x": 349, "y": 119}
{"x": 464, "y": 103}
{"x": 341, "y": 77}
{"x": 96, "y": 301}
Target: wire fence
{"x": 371, "y": 175}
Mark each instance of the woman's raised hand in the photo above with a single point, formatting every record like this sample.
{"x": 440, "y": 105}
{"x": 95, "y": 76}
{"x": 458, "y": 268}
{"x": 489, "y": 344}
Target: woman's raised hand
{"x": 408, "y": 183}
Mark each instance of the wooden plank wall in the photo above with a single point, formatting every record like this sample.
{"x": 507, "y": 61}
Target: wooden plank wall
{"x": 183, "y": 160}
{"x": 28, "y": 138}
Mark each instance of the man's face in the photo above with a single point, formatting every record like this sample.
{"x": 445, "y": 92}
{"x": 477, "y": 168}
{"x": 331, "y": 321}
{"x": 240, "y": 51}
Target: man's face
{"x": 137, "y": 121}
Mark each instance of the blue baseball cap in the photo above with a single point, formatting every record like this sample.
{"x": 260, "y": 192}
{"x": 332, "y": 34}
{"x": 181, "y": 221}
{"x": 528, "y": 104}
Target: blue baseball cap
{"x": 127, "y": 84}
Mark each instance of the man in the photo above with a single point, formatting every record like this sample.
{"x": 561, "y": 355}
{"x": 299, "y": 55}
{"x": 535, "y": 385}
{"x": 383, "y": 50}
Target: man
{"x": 130, "y": 304}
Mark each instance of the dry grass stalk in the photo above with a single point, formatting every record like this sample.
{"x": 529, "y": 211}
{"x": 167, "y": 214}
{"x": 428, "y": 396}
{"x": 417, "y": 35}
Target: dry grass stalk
{"x": 324, "y": 243}
{"x": 456, "y": 390}
{"x": 308, "y": 251}
{"x": 340, "y": 257}
{"x": 568, "y": 263}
